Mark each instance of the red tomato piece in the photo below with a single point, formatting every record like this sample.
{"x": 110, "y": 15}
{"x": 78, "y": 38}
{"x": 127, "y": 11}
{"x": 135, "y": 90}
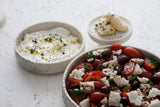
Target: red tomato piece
{"x": 93, "y": 78}
{"x": 132, "y": 53}
{"x": 93, "y": 73}
{"x": 146, "y": 74}
{"x": 80, "y": 66}
{"x": 96, "y": 97}
{"x": 116, "y": 47}
{"x": 148, "y": 65}
{"x": 124, "y": 94}
{"x": 111, "y": 57}
{"x": 128, "y": 68}
{"x": 74, "y": 81}
{"x": 96, "y": 62}
{"x": 98, "y": 84}
{"x": 76, "y": 99}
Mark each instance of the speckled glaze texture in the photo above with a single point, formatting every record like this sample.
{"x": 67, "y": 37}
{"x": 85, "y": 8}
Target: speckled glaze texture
{"x": 68, "y": 101}
{"x": 46, "y": 68}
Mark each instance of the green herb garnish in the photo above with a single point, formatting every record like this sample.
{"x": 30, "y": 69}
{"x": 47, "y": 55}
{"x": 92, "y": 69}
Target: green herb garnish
{"x": 107, "y": 23}
{"x": 111, "y": 81}
{"x": 96, "y": 24}
{"x": 77, "y": 93}
{"x": 149, "y": 82}
{"x": 65, "y": 44}
{"x": 49, "y": 39}
{"x": 63, "y": 52}
{"x": 60, "y": 39}
{"x": 153, "y": 62}
{"x": 132, "y": 78}
{"x": 32, "y": 51}
{"x": 87, "y": 67}
{"x": 35, "y": 41}
{"x": 90, "y": 57}
{"x": 42, "y": 54}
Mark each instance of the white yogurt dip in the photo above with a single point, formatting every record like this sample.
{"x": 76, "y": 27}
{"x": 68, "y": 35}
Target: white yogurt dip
{"x": 49, "y": 46}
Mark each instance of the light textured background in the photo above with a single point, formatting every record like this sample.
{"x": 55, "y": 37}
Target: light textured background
{"x": 20, "y": 88}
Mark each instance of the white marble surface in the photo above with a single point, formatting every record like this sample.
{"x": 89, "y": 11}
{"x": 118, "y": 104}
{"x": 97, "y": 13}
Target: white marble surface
{"x": 20, "y": 88}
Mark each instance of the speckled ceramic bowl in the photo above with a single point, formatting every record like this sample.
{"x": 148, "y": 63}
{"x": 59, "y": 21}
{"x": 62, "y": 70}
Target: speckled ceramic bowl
{"x": 46, "y": 68}
{"x": 79, "y": 59}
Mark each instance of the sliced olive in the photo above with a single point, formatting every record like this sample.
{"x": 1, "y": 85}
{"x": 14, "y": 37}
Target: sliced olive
{"x": 124, "y": 101}
{"x": 135, "y": 84}
{"x": 156, "y": 78}
{"x": 106, "y": 53}
{"x": 127, "y": 88}
{"x": 122, "y": 59}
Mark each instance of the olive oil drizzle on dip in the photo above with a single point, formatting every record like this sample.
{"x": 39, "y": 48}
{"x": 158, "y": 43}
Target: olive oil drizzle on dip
{"x": 49, "y": 46}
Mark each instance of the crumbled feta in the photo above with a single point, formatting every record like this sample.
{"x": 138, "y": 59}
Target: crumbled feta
{"x": 143, "y": 79}
{"x": 154, "y": 92}
{"x": 145, "y": 88}
{"x": 114, "y": 99}
{"x": 137, "y": 61}
{"x": 109, "y": 72}
{"x": 105, "y": 81}
{"x": 145, "y": 104}
{"x": 85, "y": 103}
{"x": 154, "y": 103}
{"x": 104, "y": 101}
{"x": 120, "y": 81}
{"x": 158, "y": 73}
{"x": 118, "y": 52}
{"x": 87, "y": 87}
{"x": 77, "y": 74}
{"x": 98, "y": 52}
{"x": 137, "y": 70}
{"x": 134, "y": 98}
{"x": 111, "y": 64}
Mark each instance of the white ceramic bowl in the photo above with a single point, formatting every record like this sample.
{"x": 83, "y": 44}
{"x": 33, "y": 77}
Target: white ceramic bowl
{"x": 46, "y": 68}
{"x": 81, "y": 58}
{"x": 119, "y": 37}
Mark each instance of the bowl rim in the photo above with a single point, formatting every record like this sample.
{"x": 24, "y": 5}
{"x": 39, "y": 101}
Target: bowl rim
{"x": 97, "y": 40}
{"x": 66, "y": 72}
{"x": 58, "y": 61}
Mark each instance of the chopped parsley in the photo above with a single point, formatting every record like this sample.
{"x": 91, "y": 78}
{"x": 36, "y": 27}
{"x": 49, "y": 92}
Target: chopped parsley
{"x": 96, "y": 24}
{"x": 65, "y": 44}
{"x": 60, "y": 40}
{"x": 77, "y": 93}
{"x": 132, "y": 78}
{"x": 149, "y": 82}
{"x": 32, "y": 51}
{"x": 35, "y": 41}
{"x": 90, "y": 57}
{"x": 49, "y": 39}
{"x": 111, "y": 81}
{"x": 87, "y": 67}
{"x": 42, "y": 54}
{"x": 63, "y": 52}
{"x": 153, "y": 62}
{"x": 107, "y": 23}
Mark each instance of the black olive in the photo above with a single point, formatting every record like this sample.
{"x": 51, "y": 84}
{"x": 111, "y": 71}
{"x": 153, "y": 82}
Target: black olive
{"x": 105, "y": 89}
{"x": 118, "y": 68}
{"x": 103, "y": 105}
{"x": 99, "y": 67}
{"x": 73, "y": 86}
{"x": 124, "y": 101}
{"x": 122, "y": 59}
{"x": 135, "y": 84}
{"x": 156, "y": 78}
{"x": 106, "y": 53}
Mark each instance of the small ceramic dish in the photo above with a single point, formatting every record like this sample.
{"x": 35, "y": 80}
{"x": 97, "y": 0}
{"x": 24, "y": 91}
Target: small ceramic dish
{"x": 46, "y": 67}
{"x": 81, "y": 58}
{"x": 118, "y": 37}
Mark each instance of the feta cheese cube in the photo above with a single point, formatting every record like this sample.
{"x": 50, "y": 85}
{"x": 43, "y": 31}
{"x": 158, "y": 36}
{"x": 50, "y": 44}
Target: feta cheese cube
{"x": 114, "y": 99}
{"x": 87, "y": 87}
{"x": 143, "y": 79}
{"x": 154, "y": 92}
{"x": 118, "y": 52}
{"x": 137, "y": 70}
{"x": 109, "y": 72}
{"x": 77, "y": 74}
{"x": 105, "y": 81}
{"x": 104, "y": 101}
{"x": 111, "y": 64}
{"x": 98, "y": 52}
{"x": 120, "y": 81}
{"x": 158, "y": 73}
{"x": 145, "y": 104}
{"x": 138, "y": 61}
{"x": 85, "y": 103}
{"x": 145, "y": 88}
{"x": 134, "y": 98}
{"x": 154, "y": 103}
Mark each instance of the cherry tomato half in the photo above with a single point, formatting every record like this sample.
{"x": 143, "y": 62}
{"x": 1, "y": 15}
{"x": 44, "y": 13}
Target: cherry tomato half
{"x": 148, "y": 65}
{"x": 132, "y": 53}
{"x": 96, "y": 97}
{"x": 93, "y": 73}
{"x": 128, "y": 68}
{"x": 73, "y": 81}
{"x": 98, "y": 84}
{"x": 124, "y": 94}
{"x": 93, "y": 78}
{"x": 116, "y": 47}
{"x": 146, "y": 74}
{"x": 87, "y": 66}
